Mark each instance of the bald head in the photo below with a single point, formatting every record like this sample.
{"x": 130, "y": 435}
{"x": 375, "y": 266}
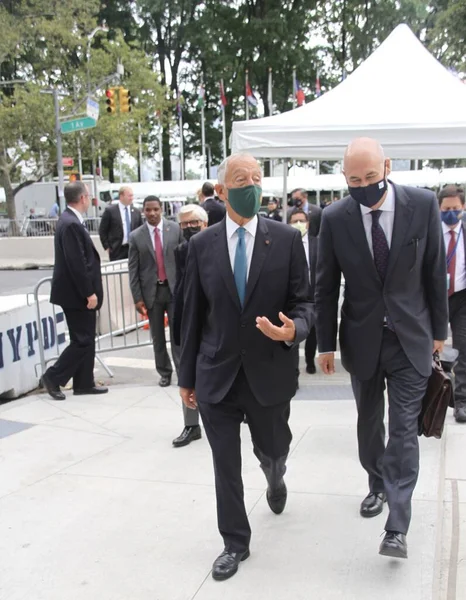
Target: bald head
{"x": 364, "y": 162}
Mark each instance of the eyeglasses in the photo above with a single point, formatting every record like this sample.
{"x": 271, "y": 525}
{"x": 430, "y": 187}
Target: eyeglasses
{"x": 193, "y": 223}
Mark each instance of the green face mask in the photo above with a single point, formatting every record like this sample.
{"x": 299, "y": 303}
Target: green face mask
{"x": 245, "y": 201}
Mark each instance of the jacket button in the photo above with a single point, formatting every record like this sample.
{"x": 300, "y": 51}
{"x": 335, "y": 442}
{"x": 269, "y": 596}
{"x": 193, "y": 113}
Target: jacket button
{"x": 243, "y": 352}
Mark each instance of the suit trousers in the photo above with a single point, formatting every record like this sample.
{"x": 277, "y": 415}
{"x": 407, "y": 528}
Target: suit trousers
{"x": 310, "y": 347}
{"x": 392, "y": 469}
{"x": 77, "y": 360}
{"x": 271, "y": 437}
{"x": 457, "y": 311}
{"x": 163, "y": 303}
{"x": 121, "y": 254}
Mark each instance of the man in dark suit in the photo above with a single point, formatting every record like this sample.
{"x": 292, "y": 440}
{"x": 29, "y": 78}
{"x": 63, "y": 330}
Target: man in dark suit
{"x": 118, "y": 221}
{"x": 386, "y": 241}
{"x": 299, "y": 220}
{"x": 213, "y": 207}
{"x": 246, "y": 305}
{"x": 77, "y": 288}
{"x": 152, "y": 275}
{"x": 272, "y": 207}
{"x": 451, "y": 200}
{"x": 299, "y": 199}
{"x": 192, "y": 219}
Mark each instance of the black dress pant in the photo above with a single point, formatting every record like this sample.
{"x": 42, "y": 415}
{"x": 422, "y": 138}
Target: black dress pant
{"x": 121, "y": 253}
{"x": 392, "y": 469}
{"x": 457, "y": 311}
{"x": 77, "y": 360}
{"x": 271, "y": 437}
{"x": 310, "y": 347}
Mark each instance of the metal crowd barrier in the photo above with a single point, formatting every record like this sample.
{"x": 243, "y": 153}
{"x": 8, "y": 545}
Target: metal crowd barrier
{"x": 39, "y": 226}
{"x": 118, "y": 323}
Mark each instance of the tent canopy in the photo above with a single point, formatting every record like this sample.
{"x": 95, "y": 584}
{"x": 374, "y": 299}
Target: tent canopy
{"x": 401, "y": 95}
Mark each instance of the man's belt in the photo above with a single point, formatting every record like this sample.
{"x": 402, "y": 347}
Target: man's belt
{"x": 162, "y": 281}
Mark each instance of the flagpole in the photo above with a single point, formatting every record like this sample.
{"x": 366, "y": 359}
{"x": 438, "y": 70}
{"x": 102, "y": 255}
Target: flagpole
{"x": 269, "y": 93}
{"x": 246, "y": 94}
{"x": 294, "y": 87}
{"x": 161, "y": 148}
{"x": 203, "y": 134}
{"x": 180, "y": 116}
{"x": 224, "y": 125}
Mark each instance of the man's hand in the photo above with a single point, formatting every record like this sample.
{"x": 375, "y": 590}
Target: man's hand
{"x": 285, "y": 333}
{"x": 92, "y": 302}
{"x": 438, "y": 346}
{"x": 327, "y": 363}
{"x": 141, "y": 308}
{"x": 189, "y": 397}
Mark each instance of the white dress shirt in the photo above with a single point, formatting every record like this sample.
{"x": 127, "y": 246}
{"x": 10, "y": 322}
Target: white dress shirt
{"x": 126, "y": 233}
{"x": 306, "y": 249}
{"x": 249, "y": 237}
{"x": 386, "y": 218}
{"x": 77, "y": 213}
{"x": 152, "y": 232}
{"x": 460, "y": 267}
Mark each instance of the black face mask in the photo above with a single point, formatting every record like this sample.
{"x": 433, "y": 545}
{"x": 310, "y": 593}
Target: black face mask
{"x": 369, "y": 195}
{"x": 190, "y": 231}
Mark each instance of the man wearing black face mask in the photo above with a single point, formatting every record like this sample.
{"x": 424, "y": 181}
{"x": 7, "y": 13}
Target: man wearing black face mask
{"x": 192, "y": 219}
{"x": 386, "y": 241}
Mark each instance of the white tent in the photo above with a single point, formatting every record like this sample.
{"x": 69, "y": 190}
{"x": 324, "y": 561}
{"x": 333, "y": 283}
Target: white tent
{"x": 401, "y": 95}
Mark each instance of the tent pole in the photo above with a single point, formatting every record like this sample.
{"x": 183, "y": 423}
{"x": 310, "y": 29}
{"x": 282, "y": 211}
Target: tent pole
{"x": 285, "y": 191}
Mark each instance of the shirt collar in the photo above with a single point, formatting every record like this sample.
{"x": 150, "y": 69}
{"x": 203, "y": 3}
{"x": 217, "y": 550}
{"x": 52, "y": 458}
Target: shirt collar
{"x": 77, "y": 213}
{"x": 446, "y": 229}
{"x": 388, "y": 205}
{"x": 250, "y": 226}
{"x": 152, "y": 227}
{"x": 122, "y": 206}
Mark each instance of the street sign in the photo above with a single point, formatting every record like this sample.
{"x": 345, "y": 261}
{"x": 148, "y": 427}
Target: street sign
{"x": 77, "y": 124}
{"x": 68, "y": 161}
{"x": 92, "y": 108}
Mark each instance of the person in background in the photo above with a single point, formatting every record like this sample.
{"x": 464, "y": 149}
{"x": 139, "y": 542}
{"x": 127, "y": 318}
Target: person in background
{"x": 386, "y": 241}
{"x": 274, "y": 213}
{"x": 451, "y": 201}
{"x": 192, "y": 219}
{"x": 213, "y": 207}
{"x": 299, "y": 199}
{"x": 54, "y": 211}
{"x": 152, "y": 275}
{"x": 118, "y": 221}
{"x": 300, "y": 221}
{"x": 77, "y": 288}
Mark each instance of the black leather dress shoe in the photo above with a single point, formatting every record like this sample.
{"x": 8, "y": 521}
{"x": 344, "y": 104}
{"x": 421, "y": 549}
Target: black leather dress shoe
{"x": 91, "y": 391}
{"x": 394, "y": 545}
{"x": 165, "y": 381}
{"x": 276, "y": 497}
{"x": 311, "y": 369}
{"x": 53, "y": 390}
{"x": 372, "y": 505}
{"x": 188, "y": 435}
{"x": 226, "y": 565}
{"x": 460, "y": 413}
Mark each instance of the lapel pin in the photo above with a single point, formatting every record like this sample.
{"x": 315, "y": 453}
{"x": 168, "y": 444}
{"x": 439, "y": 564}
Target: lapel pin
{"x": 267, "y": 242}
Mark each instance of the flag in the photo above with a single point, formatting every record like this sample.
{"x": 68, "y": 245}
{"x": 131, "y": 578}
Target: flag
{"x": 298, "y": 90}
{"x": 201, "y": 97}
{"x": 223, "y": 98}
{"x": 250, "y": 95}
{"x": 318, "y": 90}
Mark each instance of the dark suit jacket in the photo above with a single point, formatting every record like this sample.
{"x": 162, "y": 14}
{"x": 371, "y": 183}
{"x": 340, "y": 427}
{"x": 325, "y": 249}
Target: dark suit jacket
{"x": 76, "y": 272}
{"x": 111, "y": 227}
{"x": 181, "y": 255}
{"x": 218, "y": 337}
{"x": 414, "y": 292}
{"x": 215, "y": 210}
{"x": 275, "y": 215}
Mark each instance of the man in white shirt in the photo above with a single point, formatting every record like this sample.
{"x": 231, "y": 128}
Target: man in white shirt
{"x": 451, "y": 201}
{"x": 118, "y": 221}
{"x": 246, "y": 307}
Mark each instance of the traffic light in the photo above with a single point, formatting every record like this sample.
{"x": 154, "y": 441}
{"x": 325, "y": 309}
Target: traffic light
{"x": 125, "y": 100}
{"x": 111, "y": 101}
{"x": 75, "y": 177}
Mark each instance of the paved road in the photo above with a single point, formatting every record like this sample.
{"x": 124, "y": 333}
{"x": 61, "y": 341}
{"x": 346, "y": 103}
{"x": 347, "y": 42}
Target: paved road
{"x": 21, "y": 282}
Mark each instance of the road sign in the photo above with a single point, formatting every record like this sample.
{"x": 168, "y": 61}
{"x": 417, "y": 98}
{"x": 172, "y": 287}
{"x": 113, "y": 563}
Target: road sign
{"x": 92, "y": 108}
{"x": 77, "y": 124}
{"x": 68, "y": 161}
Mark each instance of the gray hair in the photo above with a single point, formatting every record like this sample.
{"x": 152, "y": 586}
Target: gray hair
{"x": 74, "y": 190}
{"x": 196, "y": 210}
{"x": 222, "y": 168}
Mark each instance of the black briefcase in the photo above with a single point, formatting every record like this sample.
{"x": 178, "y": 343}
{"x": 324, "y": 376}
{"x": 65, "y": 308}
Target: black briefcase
{"x": 439, "y": 395}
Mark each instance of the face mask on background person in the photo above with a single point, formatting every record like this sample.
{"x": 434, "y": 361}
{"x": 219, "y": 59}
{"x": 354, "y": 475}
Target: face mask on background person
{"x": 190, "y": 231}
{"x": 301, "y": 227}
{"x": 451, "y": 217}
{"x": 245, "y": 201}
{"x": 369, "y": 195}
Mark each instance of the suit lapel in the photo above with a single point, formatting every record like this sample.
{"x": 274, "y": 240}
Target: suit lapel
{"x": 220, "y": 250}
{"x": 358, "y": 235}
{"x": 401, "y": 223}
{"x": 147, "y": 240}
{"x": 261, "y": 247}
{"x": 167, "y": 230}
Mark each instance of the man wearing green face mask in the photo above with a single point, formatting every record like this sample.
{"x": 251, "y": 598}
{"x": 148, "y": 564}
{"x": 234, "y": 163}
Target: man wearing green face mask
{"x": 246, "y": 308}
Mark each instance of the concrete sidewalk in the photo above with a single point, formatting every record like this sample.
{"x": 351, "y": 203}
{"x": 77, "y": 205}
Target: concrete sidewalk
{"x": 95, "y": 504}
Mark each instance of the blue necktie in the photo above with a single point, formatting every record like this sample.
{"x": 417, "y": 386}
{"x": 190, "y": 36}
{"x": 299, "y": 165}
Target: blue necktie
{"x": 241, "y": 265}
{"x": 128, "y": 224}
